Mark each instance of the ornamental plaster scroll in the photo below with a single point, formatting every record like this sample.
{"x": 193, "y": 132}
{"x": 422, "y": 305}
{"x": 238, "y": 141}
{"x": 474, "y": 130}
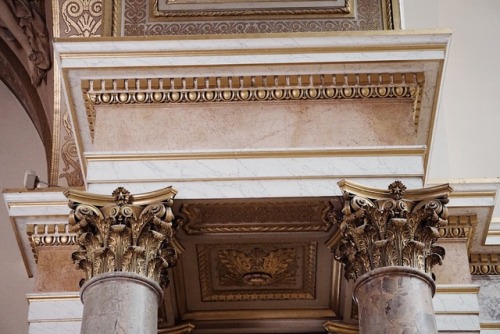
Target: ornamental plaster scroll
{"x": 124, "y": 232}
{"x": 390, "y": 228}
{"x": 24, "y": 24}
{"x": 82, "y": 18}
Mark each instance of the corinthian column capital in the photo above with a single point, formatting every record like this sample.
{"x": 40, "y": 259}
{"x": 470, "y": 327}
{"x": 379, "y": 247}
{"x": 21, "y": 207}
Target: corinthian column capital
{"x": 394, "y": 227}
{"x": 124, "y": 232}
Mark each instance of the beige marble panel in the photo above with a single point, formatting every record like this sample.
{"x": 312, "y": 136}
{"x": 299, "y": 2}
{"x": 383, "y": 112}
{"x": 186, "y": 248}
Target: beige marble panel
{"x": 289, "y": 124}
{"x": 453, "y": 270}
{"x": 62, "y": 277}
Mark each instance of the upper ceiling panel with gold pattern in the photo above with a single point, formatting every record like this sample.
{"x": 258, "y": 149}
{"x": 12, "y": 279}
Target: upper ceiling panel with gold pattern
{"x": 86, "y": 18}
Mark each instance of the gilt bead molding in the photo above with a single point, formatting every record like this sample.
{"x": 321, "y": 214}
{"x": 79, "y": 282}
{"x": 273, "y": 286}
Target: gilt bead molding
{"x": 124, "y": 233}
{"x": 389, "y": 228}
{"x": 40, "y": 235}
{"x": 265, "y": 88}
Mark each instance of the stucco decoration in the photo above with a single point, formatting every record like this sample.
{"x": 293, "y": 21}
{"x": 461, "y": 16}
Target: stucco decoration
{"x": 23, "y": 23}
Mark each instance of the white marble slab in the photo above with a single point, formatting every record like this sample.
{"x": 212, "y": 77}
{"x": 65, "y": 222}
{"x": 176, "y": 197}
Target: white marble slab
{"x": 489, "y": 297}
{"x": 458, "y": 323}
{"x": 54, "y": 313}
{"x": 252, "y": 188}
{"x": 54, "y": 307}
{"x": 254, "y": 168}
{"x": 151, "y": 50}
{"x": 36, "y": 203}
{"x": 57, "y": 327}
{"x": 455, "y": 303}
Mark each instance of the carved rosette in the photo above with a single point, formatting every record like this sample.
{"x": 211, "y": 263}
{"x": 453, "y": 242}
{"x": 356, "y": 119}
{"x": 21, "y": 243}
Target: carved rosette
{"x": 124, "y": 233}
{"x": 390, "y": 228}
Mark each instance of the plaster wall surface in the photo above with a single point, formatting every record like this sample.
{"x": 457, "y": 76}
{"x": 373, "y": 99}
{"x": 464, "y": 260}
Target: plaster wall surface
{"x": 20, "y": 149}
{"x": 466, "y": 138}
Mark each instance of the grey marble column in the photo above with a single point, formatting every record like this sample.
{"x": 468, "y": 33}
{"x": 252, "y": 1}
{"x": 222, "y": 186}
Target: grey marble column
{"x": 386, "y": 241}
{"x": 125, "y": 250}
{"x": 120, "y": 302}
{"x": 395, "y": 300}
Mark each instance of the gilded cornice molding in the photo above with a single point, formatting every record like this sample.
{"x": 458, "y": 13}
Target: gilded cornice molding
{"x": 124, "y": 232}
{"x": 394, "y": 227}
{"x": 264, "y": 88}
{"x": 338, "y": 327}
{"x": 179, "y": 329}
{"x": 40, "y": 235}
{"x": 484, "y": 264}
{"x": 461, "y": 227}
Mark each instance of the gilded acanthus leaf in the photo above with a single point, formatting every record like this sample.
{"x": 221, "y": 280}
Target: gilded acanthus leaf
{"x": 123, "y": 236}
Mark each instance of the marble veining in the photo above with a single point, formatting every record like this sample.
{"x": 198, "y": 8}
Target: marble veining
{"x": 251, "y": 188}
{"x": 255, "y": 168}
{"x": 489, "y": 297}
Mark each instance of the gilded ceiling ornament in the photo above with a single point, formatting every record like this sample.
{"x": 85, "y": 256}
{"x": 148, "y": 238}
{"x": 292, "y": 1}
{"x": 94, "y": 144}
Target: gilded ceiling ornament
{"x": 262, "y": 271}
{"x": 392, "y": 228}
{"x": 124, "y": 233}
{"x": 257, "y": 267}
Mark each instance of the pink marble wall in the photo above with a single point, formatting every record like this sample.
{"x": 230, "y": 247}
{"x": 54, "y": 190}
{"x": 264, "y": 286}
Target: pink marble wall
{"x": 290, "y": 124}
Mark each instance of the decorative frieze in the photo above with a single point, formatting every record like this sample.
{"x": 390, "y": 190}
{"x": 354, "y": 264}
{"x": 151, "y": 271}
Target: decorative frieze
{"x": 390, "y": 228}
{"x": 124, "y": 232}
{"x": 256, "y": 216}
{"x": 141, "y": 19}
{"x": 193, "y": 9}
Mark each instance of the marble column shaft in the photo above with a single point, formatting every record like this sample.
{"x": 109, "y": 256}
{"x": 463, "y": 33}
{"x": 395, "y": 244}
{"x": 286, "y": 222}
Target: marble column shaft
{"x": 120, "y": 303}
{"x": 395, "y": 300}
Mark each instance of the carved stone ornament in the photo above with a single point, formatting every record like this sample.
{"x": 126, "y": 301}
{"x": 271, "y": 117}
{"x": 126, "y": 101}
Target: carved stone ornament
{"x": 24, "y": 23}
{"x": 397, "y": 227}
{"x": 124, "y": 232}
